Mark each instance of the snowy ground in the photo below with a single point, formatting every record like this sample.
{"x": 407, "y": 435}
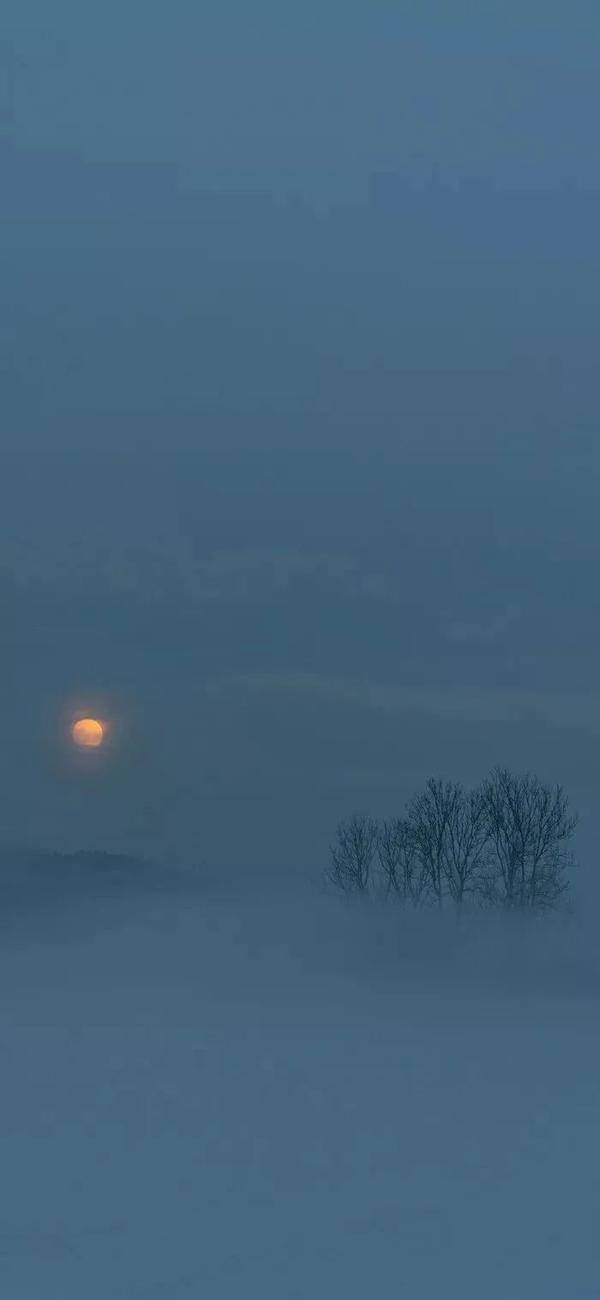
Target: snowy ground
{"x": 234, "y": 1099}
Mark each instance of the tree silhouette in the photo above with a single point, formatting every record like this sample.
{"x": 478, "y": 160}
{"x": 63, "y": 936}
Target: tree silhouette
{"x": 505, "y": 843}
{"x": 528, "y": 829}
{"x": 352, "y": 855}
{"x": 400, "y": 868}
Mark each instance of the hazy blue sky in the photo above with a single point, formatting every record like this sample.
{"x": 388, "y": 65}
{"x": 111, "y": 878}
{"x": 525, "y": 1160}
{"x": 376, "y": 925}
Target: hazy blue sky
{"x": 300, "y": 459}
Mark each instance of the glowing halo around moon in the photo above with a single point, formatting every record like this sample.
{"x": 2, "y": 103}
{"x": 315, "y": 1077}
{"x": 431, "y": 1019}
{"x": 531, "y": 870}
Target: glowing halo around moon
{"x": 88, "y": 733}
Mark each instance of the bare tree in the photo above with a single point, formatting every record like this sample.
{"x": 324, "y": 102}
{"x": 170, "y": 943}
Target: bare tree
{"x": 465, "y": 844}
{"x": 528, "y": 829}
{"x": 447, "y": 831}
{"x": 352, "y": 855}
{"x": 427, "y": 817}
{"x": 402, "y": 871}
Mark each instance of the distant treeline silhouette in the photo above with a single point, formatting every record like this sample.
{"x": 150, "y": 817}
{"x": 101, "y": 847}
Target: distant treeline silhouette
{"x": 505, "y": 844}
{"x": 42, "y": 878}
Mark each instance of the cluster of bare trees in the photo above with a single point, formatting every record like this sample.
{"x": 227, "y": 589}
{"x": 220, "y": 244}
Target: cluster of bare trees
{"x": 505, "y": 843}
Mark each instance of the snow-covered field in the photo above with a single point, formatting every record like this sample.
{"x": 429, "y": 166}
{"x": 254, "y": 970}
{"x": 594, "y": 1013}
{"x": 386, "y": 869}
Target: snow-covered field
{"x": 230, "y": 1097}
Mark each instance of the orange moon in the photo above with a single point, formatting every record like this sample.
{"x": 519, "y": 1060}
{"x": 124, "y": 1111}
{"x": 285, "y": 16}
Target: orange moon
{"x": 88, "y": 733}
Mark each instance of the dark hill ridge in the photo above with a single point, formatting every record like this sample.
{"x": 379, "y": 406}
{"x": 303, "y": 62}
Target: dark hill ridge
{"x": 38, "y": 878}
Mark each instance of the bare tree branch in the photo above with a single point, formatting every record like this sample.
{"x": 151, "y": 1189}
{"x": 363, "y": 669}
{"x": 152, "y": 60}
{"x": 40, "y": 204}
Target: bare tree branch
{"x": 447, "y": 830}
{"x": 352, "y": 855}
{"x": 528, "y": 832}
{"x": 403, "y": 873}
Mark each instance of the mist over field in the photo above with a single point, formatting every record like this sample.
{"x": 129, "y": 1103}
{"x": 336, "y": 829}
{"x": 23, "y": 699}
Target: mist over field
{"x": 217, "y": 1090}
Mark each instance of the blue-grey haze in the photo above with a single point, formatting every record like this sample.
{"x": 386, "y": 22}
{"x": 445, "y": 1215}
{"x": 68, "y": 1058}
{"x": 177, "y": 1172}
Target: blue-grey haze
{"x": 300, "y": 414}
